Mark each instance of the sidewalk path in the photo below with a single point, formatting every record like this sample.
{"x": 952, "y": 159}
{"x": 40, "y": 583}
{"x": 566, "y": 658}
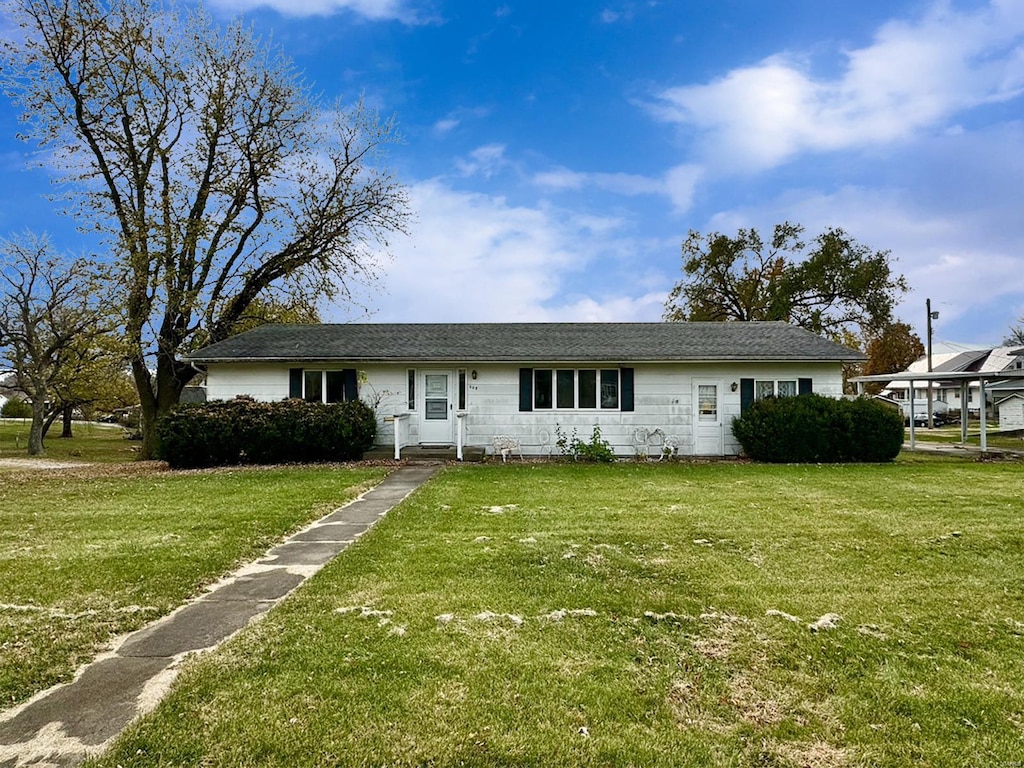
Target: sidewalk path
{"x": 956, "y": 449}
{"x": 70, "y": 722}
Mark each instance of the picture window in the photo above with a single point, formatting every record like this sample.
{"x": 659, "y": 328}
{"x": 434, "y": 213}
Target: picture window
{"x": 576, "y": 389}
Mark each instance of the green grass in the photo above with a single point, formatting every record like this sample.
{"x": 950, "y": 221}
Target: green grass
{"x": 85, "y": 558}
{"x": 389, "y": 655}
{"x": 92, "y": 442}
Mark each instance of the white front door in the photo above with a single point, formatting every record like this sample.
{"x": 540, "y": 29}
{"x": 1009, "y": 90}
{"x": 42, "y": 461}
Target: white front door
{"x": 436, "y": 408}
{"x": 707, "y": 417}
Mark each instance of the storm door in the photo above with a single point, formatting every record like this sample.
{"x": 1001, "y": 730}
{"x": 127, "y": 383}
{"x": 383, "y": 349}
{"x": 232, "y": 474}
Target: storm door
{"x": 707, "y": 417}
{"x": 436, "y": 409}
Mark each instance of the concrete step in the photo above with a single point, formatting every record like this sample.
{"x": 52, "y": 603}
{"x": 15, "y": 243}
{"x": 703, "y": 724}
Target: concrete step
{"x": 427, "y": 453}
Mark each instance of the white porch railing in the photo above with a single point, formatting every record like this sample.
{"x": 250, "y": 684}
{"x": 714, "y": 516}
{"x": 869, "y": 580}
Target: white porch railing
{"x": 400, "y": 438}
{"x": 460, "y": 420}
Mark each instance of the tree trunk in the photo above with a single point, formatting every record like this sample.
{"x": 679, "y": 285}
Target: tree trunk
{"x": 158, "y": 397}
{"x": 48, "y": 422}
{"x": 147, "y": 408}
{"x": 35, "y": 432}
{"x": 66, "y": 415}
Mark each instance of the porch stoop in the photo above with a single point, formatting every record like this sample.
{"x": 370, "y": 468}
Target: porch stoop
{"x": 416, "y": 453}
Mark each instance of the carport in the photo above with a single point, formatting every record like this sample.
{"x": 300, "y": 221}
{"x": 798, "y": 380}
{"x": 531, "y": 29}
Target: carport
{"x": 964, "y": 377}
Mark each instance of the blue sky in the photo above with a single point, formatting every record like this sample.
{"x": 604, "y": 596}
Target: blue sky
{"x": 557, "y": 154}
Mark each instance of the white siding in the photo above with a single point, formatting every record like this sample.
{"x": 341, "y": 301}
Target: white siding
{"x": 261, "y": 382}
{"x": 1011, "y": 413}
{"x": 663, "y": 395}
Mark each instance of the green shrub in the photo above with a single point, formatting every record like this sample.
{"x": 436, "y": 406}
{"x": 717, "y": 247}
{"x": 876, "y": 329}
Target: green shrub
{"x": 16, "y": 409}
{"x": 812, "y": 428}
{"x": 597, "y": 449}
{"x": 245, "y": 431}
{"x": 877, "y": 433}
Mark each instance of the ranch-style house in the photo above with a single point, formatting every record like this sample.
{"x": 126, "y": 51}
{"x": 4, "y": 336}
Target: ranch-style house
{"x": 648, "y": 386}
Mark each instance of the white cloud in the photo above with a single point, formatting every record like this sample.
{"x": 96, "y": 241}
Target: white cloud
{"x": 475, "y": 257}
{"x": 455, "y": 118}
{"x": 446, "y": 125}
{"x": 678, "y": 183}
{"x": 912, "y": 76}
{"x": 376, "y": 10}
{"x": 483, "y": 161}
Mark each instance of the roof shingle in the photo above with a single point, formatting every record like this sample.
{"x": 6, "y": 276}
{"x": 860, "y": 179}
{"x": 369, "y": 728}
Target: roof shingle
{"x": 527, "y": 343}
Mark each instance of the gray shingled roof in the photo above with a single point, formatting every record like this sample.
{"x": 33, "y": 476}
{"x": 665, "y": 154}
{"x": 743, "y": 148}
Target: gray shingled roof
{"x": 526, "y": 343}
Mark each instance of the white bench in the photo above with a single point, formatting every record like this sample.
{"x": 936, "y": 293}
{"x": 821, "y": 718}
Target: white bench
{"x": 506, "y": 445}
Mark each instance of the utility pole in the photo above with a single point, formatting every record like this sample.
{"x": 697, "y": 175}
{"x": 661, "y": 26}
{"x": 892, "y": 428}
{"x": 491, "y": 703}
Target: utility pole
{"x": 931, "y": 316}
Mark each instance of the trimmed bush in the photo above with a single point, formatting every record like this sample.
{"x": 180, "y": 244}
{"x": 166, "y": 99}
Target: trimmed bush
{"x": 816, "y": 429}
{"x": 243, "y": 431}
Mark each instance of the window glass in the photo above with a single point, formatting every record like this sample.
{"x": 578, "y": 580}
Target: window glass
{"x": 435, "y": 396}
{"x": 707, "y": 402}
{"x": 313, "y": 391}
{"x": 462, "y": 389}
{"x": 588, "y": 389}
{"x": 412, "y": 389}
{"x": 610, "y": 389}
{"x": 787, "y": 389}
{"x": 565, "y": 389}
{"x": 335, "y": 386}
{"x": 542, "y": 386}
{"x": 764, "y": 389}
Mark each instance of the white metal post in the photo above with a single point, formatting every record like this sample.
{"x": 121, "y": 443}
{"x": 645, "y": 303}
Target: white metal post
{"x": 458, "y": 435}
{"x": 912, "y": 433}
{"x": 984, "y": 408}
{"x": 965, "y": 412}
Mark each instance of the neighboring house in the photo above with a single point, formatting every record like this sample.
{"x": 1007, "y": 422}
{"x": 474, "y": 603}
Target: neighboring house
{"x": 469, "y": 383}
{"x": 994, "y": 360}
{"x": 9, "y": 388}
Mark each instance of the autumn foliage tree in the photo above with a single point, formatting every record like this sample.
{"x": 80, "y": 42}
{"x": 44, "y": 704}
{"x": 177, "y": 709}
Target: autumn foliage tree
{"x": 892, "y": 350}
{"x": 830, "y": 285}
{"x": 216, "y": 174}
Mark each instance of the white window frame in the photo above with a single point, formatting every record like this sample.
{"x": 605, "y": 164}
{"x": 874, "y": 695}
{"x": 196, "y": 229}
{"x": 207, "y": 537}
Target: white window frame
{"x": 323, "y": 384}
{"x": 759, "y": 384}
{"x": 596, "y": 408}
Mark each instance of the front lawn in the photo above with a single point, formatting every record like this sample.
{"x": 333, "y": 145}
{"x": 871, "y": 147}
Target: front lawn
{"x": 86, "y": 555}
{"x": 92, "y": 442}
{"x": 638, "y": 615}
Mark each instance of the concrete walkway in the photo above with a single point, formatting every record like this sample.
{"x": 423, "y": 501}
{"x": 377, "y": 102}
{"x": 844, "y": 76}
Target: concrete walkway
{"x": 68, "y": 723}
{"x": 956, "y": 449}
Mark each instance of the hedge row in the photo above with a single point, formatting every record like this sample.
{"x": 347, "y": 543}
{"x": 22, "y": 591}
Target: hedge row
{"x": 812, "y": 428}
{"x": 243, "y": 431}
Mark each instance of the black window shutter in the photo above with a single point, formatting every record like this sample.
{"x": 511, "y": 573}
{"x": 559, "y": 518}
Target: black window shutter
{"x": 526, "y": 389}
{"x": 351, "y": 385}
{"x": 746, "y": 394}
{"x": 295, "y": 382}
{"x": 626, "y": 376}
{"x": 804, "y": 386}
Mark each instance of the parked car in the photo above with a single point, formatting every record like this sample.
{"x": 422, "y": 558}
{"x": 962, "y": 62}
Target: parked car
{"x": 938, "y": 419}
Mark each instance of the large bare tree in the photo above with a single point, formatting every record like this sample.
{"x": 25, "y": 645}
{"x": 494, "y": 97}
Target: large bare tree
{"x": 218, "y": 176}
{"x": 51, "y": 311}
